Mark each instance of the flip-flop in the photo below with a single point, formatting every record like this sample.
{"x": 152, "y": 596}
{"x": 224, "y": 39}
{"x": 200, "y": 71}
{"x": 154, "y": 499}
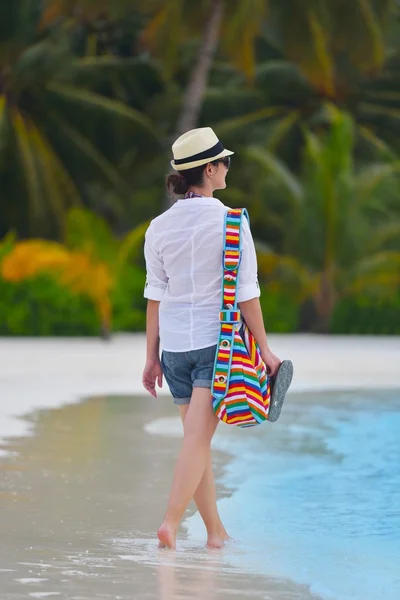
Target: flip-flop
{"x": 280, "y": 384}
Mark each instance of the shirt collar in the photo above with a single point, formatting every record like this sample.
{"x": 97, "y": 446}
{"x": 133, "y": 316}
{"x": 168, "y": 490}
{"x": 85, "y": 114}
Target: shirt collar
{"x": 203, "y": 201}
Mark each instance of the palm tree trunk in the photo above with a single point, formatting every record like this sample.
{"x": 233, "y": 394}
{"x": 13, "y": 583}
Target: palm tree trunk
{"x": 194, "y": 95}
{"x": 325, "y": 302}
{"x": 195, "y": 91}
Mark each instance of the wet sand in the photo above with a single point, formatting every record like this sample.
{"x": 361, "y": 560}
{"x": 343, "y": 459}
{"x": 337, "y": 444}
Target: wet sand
{"x": 81, "y": 500}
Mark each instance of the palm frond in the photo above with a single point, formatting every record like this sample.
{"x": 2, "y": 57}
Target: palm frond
{"x": 86, "y": 64}
{"x": 243, "y": 25}
{"x": 165, "y": 32}
{"x": 3, "y": 102}
{"x": 322, "y": 55}
{"x": 389, "y": 95}
{"x": 280, "y": 67}
{"x": 376, "y": 109}
{"x": 281, "y": 129}
{"x": 89, "y": 151}
{"x": 384, "y": 234}
{"x": 113, "y": 107}
{"x": 376, "y": 37}
{"x": 382, "y": 282}
{"x": 40, "y": 61}
{"x": 86, "y": 231}
{"x": 61, "y": 191}
{"x": 67, "y": 184}
{"x": 289, "y": 272}
{"x": 278, "y": 169}
{"x": 369, "y": 179}
{"x": 27, "y": 157}
{"x": 379, "y": 144}
{"x": 3, "y": 125}
{"x": 229, "y": 125}
{"x": 379, "y": 262}
{"x": 7, "y": 244}
{"x": 52, "y": 189}
{"x": 131, "y": 244}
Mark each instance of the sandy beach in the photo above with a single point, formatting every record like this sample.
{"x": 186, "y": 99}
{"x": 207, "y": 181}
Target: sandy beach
{"x": 87, "y": 461}
{"x": 60, "y": 371}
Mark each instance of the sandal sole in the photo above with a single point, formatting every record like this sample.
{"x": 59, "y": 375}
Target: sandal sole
{"x": 282, "y": 382}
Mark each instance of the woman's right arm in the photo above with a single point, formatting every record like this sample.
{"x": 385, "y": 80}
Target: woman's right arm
{"x": 248, "y": 294}
{"x": 252, "y": 314}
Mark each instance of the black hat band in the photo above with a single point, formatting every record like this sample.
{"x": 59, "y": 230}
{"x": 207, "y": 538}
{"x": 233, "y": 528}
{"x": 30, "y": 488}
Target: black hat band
{"x": 214, "y": 151}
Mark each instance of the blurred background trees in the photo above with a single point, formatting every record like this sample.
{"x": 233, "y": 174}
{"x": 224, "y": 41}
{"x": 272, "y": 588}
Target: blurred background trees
{"x": 92, "y": 93}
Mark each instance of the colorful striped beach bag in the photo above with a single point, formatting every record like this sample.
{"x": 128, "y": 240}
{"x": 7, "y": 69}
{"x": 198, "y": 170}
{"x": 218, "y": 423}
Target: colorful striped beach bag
{"x": 241, "y": 388}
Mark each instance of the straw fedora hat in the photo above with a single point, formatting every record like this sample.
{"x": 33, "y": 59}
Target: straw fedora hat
{"x": 197, "y": 147}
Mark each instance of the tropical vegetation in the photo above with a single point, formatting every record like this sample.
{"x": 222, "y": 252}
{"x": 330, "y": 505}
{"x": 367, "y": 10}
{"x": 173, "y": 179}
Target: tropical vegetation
{"x": 93, "y": 92}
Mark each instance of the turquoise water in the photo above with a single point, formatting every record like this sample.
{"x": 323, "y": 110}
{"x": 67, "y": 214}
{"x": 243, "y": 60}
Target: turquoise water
{"x": 316, "y": 498}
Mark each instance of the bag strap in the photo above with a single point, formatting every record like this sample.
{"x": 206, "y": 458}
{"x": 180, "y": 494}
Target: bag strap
{"x": 232, "y": 255}
{"x": 230, "y": 316}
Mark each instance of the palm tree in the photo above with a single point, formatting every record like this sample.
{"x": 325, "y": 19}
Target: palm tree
{"x": 230, "y": 27}
{"x": 339, "y": 227}
{"x": 49, "y": 125}
{"x": 346, "y": 53}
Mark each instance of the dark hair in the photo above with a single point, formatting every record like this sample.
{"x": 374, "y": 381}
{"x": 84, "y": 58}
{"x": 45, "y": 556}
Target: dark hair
{"x": 179, "y": 183}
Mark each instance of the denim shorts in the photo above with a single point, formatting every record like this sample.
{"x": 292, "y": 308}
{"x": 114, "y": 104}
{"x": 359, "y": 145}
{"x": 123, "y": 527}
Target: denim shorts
{"x": 184, "y": 371}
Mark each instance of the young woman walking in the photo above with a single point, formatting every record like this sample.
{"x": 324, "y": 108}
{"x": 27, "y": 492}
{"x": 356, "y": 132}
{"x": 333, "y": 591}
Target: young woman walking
{"x": 183, "y": 251}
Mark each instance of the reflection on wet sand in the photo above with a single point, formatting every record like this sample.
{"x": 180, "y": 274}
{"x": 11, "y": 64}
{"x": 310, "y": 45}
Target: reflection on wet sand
{"x": 80, "y": 503}
{"x": 173, "y": 584}
{"x": 199, "y": 580}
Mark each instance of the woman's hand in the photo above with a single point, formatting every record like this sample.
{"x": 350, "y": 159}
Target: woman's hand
{"x": 272, "y": 362}
{"x": 152, "y": 373}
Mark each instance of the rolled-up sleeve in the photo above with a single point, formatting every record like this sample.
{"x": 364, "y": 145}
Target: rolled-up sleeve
{"x": 248, "y": 287}
{"x": 156, "y": 278}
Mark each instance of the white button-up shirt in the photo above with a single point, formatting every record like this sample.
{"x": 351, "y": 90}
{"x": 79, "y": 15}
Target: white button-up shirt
{"x": 183, "y": 251}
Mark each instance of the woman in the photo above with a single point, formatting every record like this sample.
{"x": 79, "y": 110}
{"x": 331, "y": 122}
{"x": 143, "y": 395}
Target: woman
{"x": 183, "y": 251}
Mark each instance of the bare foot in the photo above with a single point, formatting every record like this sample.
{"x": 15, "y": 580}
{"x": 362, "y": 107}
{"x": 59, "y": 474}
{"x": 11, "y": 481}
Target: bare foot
{"x": 217, "y": 539}
{"x": 167, "y": 537}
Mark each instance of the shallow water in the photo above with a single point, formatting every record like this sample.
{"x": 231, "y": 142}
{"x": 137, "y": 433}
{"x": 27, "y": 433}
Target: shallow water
{"x": 317, "y": 498}
{"x": 312, "y": 502}
{"x": 80, "y": 502}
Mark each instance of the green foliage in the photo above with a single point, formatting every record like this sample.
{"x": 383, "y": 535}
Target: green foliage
{"x": 280, "y": 311}
{"x": 55, "y": 132}
{"x": 90, "y": 93}
{"x": 307, "y": 94}
{"x": 41, "y": 307}
{"x": 128, "y": 301}
{"x": 335, "y": 223}
{"x": 314, "y": 53}
{"x": 367, "y": 315}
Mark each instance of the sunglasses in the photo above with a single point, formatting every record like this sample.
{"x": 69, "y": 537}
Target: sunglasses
{"x": 226, "y": 161}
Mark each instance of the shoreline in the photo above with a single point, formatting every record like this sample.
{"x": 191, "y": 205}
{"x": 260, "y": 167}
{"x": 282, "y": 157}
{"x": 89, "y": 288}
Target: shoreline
{"x": 65, "y": 374}
{"x": 40, "y": 373}
{"x": 106, "y": 546}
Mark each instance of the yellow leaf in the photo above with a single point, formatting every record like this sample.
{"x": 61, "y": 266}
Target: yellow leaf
{"x": 29, "y": 258}
{"x": 3, "y": 102}
{"x": 53, "y": 11}
{"x": 151, "y": 31}
{"x": 376, "y": 38}
{"x": 324, "y": 60}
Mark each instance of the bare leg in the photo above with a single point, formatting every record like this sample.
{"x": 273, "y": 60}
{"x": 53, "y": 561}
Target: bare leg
{"x": 205, "y": 498}
{"x": 199, "y": 427}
